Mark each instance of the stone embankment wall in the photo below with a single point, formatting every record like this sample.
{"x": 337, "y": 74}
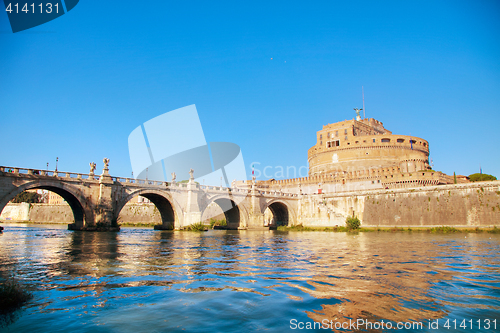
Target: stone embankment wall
{"x": 461, "y": 205}
{"x": 50, "y": 213}
{"x": 453, "y": 205}
{"x": 16, "y": 212}
{"x": 131, "y": 213}
{"x": 139, "y": 213}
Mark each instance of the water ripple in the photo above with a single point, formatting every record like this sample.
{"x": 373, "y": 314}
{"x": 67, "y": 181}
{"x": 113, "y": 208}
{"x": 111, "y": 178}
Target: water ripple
{"x": 141, "y": 280}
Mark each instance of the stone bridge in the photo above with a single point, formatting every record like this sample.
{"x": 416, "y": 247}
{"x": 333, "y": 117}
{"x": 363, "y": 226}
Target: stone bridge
{"x": 96, "y": 200}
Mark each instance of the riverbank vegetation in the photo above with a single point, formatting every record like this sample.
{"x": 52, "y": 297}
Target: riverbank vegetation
{"x": 139, "y": 224}
{"x": 218, "y": 223}
{"x": 434, "y": 230}
{"x": 199, "y": 226}
{"x": 13, "y": 296}
{"x": 352, "y": 223}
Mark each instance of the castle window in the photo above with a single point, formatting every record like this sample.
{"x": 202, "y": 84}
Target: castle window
{"x": 345, "y": 132}
{"x": 336, "y": 143}
{"x": 425, "y": 144}
{"x": 321, "y": 136}
{"x": 328, "y": 135}
{"x": 386, "y": 140}
{"x": 345, "y": 138}
{"x": 373, "y": 140}
{"x": 336, "y": 133}
{"x": 321, "y": 142}
{"x": 401, "y": 140}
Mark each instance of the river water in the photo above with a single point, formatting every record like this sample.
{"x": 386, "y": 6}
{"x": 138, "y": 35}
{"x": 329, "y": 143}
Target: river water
{"x": 141, "y": 280}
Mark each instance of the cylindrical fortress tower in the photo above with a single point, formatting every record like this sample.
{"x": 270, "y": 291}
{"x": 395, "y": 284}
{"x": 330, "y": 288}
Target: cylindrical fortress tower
{"x": 365, "y": 145}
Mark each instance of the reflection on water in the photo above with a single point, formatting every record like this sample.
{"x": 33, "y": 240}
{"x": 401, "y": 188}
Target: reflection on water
{"x": 140, "y": 280}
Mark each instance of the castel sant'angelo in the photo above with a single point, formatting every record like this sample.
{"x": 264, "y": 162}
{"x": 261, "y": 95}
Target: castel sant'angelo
{"x": 361, "y": 154}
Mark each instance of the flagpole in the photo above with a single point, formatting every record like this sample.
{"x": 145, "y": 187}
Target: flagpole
{"x": 363, "y": 92}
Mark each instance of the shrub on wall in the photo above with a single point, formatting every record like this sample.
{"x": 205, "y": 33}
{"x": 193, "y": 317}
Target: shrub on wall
{"x": 477, "y": 177}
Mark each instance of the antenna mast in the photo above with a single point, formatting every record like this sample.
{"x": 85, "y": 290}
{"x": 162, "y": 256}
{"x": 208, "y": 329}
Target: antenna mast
{"x": 363, "y": 92}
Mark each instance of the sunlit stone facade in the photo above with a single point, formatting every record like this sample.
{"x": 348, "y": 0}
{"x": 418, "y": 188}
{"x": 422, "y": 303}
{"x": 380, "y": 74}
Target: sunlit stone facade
{"x": 364, "y": 145}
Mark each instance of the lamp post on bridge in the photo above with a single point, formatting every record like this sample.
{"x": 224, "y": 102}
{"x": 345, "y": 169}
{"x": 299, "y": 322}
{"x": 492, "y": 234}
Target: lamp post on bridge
{"x": 57, "y": 160}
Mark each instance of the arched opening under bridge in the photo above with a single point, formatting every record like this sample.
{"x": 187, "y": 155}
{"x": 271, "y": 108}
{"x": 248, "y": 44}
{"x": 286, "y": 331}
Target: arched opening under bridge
{"x": 228, "y": 208}
{"x": 144, "y": 209}
{"x": 42, "y": 203}
{"x": 276, "y": 214}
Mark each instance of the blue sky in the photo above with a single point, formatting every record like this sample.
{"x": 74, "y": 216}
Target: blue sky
{"x": 75, "y": 87}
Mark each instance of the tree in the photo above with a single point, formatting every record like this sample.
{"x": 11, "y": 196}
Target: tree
{"x": 476, "y": 177}
{"x": 29, "y": 197}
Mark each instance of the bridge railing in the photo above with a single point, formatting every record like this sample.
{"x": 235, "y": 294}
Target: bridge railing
{"x": 76, "y": 176}
{"x": 48, "y": 173}
{"x": 142, "y": 182}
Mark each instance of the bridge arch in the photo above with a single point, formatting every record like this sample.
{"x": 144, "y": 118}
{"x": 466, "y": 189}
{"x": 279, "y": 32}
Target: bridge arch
{"x": 236, "y": 215}
{"x": 169, "y": 208}
{"x": 82, "y": 212}
{"x": 281, "y": 211}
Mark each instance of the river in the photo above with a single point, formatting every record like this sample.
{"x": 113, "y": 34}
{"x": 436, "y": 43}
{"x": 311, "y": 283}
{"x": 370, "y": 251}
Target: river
{"x": 141, "y": 280}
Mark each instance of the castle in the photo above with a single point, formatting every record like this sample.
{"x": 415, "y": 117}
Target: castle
{"x": 361, "y": 154}
{"x": 364, "y": 144}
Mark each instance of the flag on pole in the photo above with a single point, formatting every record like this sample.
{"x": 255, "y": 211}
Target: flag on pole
{"x": 252, "y": 170}
{"x": 411, "y": 144}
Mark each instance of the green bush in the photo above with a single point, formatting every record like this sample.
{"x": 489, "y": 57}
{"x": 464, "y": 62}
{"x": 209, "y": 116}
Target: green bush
{"x": 443, "y": 229}
{"x": 352, "y": 223}
{"x": 199, "y": 226}
{"x": 219, "y": 223}
{"x": 477, "y": 177}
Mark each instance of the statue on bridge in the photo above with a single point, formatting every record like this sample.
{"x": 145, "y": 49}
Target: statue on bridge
{"x": 191, "y": 174}
{"x": 105, "y": 171}
{"x": 173, "y": 177}
{"x": 92, "y": 168}
{"x": 106, "y": 163}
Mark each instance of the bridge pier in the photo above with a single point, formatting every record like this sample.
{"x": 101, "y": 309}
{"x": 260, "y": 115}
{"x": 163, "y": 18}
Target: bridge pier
{"x": 193, "y": 212}
{"x": 104, "y": 219}
{"x": 256, "y": 217}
